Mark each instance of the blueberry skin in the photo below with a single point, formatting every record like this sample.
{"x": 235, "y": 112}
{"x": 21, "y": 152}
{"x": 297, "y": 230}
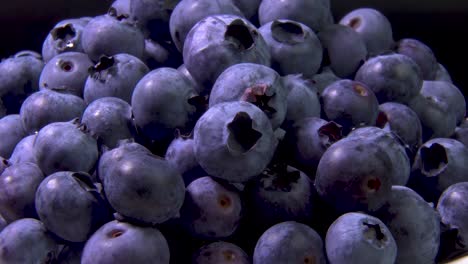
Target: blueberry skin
{"x": 114, "y": 76}
{"x": 254, "y": 83}
{"x": 44, "y": 107}
{"x": 19, "y": 183}
{"x": 439, "y": 163}
{"x": 392, "y": 77}
{"x": 156, "y": 55}
{"x": 3, "y": 223}
{"x": 109, "y": 119}
{"x": 144, "y": 11}
{"x": 316, "y": 14}
{"x": 64, "y": 146}
{"x": 403, "y": 121}
{"x": 289, "y": 242}
{"x": 345, "y": 49}
{"x": 11, "y": 132}
{"x": 120, "y": 242}
{"x": 220, "y": 253}
{"x": 180, "y": 23}
{"x": 66, "y": 72}
{"x": 219, "y": 41}
{"x": 120, "y": 8}
{"x": 161, "y": 103}
{"x": 324, "y": 79}
{"x": 30, "y": 234}
{"x": 373, "y": 27}
{"x": 359, "y": 238}
{"x": 4, "y": 163}
{"x": 294, "y": 47}
{"x": 248, "y": 7}
{"x": 24, "y": 151}
{"x": 461, "y": 134}
{"x": 70, "y": 206}
{"x": 453, "y": 209}
{"x": 421, "y": 54}
{"x": 442, "y": 74}
{"x": 107, "y": 35}
{"x": 144, "y": 188}
{"x": 210, "y": 210}
{"x": 354, "y": 174}
{"x": 234, "y": 141}
{"x": 19, "y": 77}
{"x": 182, "y": 69}
{"x": 65, "y": 36}
{"x": 303, "y": 99}
{"x": 350, "y": 104}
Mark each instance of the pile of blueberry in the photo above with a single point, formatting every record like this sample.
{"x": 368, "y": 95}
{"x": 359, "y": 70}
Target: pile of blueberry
{"x": 231, "y": 131}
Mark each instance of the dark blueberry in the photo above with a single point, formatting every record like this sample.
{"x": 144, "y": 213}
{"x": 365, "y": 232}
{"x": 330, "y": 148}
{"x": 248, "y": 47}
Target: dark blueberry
{"x": 66, "y": 72}
{"x": 27, "y": 241}
{"x": 162, "y": 101}
{"x": 4, "y": 163}
{"x": 442, "y": 74}
{"x": 124, "y": 243}
{"x": 344, "y": 48}
{"x": 350, "y": 104}
{"x": 70, "y": 206}
{"x": 392, "y": 77}
{"x": 324, "y": 79}
{"x": 234, "y": 141}
{"x": 259, "y": 85}
{"x": 11, "y": 132}
{"x": 187, "y": 74}
{"x": 107, "y": 35}
{"x": 24, "y": 151}
{"x": 144, "y": 188}
{"x": 289, "y": 242}
{"x": 19, "y": 77}
{"x": 3, "y": 223}
{"x": 114, "y": 76}
{"x": 18, "y": 184}
{"x": 402, "y": 121}
{"x": 210, "y": 209}
{"x": 65, "y": 146}
{"x": 220, "y": 253}
{"x": 248, "y": 7}
{"x": 219, "y": 41}
{"x": 316, "y": 14}
{"x": 47, "y": 106}
{"x": 294, "y": 47}
{"x": 421, "y": 54}
{"x": 374, "y": 28}
{"x": 120, "y": 8}
{"x": 354, "y": 174}
{"x": 65, "y": 36}
{"x": 360, "y": 238}
{"x": 70, "y": 254}
{"x": 109, "y": 119}
{"x": 146, "y": 12}
{"x": 413, "y": 223}
{"x": 180, "y": 23}
{"x": 461, "y": 134}
{"x": 156, "y": 55}
{"x": 439, "y": 163}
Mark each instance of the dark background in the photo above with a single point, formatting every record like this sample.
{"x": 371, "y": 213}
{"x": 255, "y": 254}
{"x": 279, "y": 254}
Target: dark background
{"x": 443, "y": 25}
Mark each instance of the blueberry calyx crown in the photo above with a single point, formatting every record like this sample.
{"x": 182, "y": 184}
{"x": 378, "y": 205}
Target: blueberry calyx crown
{"x": 434, "y": 159}
{"x": 239, "y": 35}
{"x": 287, "y": 32}
{"x": 242, "y": 136}
{"x": 260, "y": 95}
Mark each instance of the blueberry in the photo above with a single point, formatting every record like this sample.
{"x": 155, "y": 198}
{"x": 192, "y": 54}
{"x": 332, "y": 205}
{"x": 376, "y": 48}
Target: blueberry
{"x": 294, "y": 47}
{"x": 324, "y": 79}
{"x": 107, "y": 35}
{"x": 259, "y": 85}
{"x": 66, "y": 72}
{"x": 461, "y": 134}
{"x": 354, "y": 174}
{"x": 344, "y": 48}
{"x": 144, "y": 11}
{"x": 392, "y": 77}
{"x": 413, "y": 223}
{"x": 219, "y": 41}
{"x": 157, "y": 55}
{"x": 120, "y": 242}
{"x": 180, "y": 23}
{"x": 109, "y": 119}
{"x": 30, "y": 234}
{"x": 114, "y": 76}
{"x": 4, "y": 163}
{"x": 65, "y": 36}
{"x": 350, "y": 104}
{"x": 70, "y": 254}
{"x": 65, "y": 146}
{"x": 11, "y": 132}
{"x": 18, "y": 186}
{"x": 248, "y": 7}
{"x": 373, "y": 27}
{"x": 421, "y": 54}
{"x": 316, "y": 14}
{"x": 442, "y": 74}
{"x": 24, "y": 151}
{"x": 289, "y": 242}
{"x": 47, "y": 106}
{"x": 359, "y": 238}
{"x": 120, "y": 8}
{"x": 70, "y": 206}
{"x": 3, "y": 223}
{"x": 187, "y": 74}
{"x": 220, "y": 253}
{"x": 144, "y": 188}
{"x": 234, "y": 141}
